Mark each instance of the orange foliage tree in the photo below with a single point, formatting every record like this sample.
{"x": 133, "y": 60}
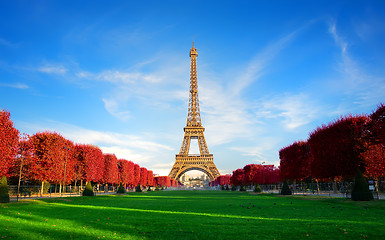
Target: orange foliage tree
{"x": 335, "y": 148}
{"x": 52, "y": 158}
{"x": 9, "y": 138}
{"x": 110, "y": 175}
{"x": 295, "y": 161}
{"x": 89, "y": 163}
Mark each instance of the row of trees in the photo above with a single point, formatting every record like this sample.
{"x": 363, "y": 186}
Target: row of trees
{"x": 250, "y": 174}
{"x": 335, "y": 151}
{"x": 165, "y": 181}
{"x": 49, "y": 157}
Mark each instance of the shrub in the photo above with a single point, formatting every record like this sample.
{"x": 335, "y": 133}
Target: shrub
{"x": 257, "y": 188}
{"x": 242, "y": 189}
{"x": 233, "y": 188}
{"x": 88, "y": 191}
{"x": 121, "y": 189}
{"x": 46, "y": 187}
{"x": 138, "y": 188}
{"x": 285, "y": 188}
{"x": 4, "y": 195}
{"x": 361, "y": 190}
{"x": 157, "y": 188}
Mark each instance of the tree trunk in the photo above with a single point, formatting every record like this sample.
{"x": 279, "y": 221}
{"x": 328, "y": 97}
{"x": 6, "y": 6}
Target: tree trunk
{"x": 42, "y": 188}
{"x": 335, "y": 190}
{"x": 317, "y": 186}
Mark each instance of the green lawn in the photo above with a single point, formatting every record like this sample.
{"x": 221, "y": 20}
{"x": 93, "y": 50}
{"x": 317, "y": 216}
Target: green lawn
{"x": 192, "y": 215}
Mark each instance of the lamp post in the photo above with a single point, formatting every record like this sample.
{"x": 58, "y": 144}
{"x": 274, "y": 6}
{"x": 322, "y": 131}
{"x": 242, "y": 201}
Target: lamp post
{"x": 21, "y": 168}
{"x": 263, "y": 173}
{"x": 65, "y": 168}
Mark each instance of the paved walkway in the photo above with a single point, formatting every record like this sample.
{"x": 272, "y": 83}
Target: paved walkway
{"x": 54, "y": 195}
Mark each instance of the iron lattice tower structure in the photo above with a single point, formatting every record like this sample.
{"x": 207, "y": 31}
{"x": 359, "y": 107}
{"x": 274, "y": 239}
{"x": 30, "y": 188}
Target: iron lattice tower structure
{"x": 194, "y": 130}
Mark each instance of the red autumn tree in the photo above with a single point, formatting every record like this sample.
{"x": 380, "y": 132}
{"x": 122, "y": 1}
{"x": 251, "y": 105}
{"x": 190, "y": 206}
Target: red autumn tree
{"x": 124, "y": 174}
{"x": 130, "y": 170}
{"x": 376, "y": 125}
{"x": 295, "y": 161}
{"x": 52, "y": 158}
{"x": 150, "y": 178}
{"x": 271, "y": 174}
{"x": 143, "y": 176}
{"x": 162, "y": 181}
{"x": 373, "y": 142}
{"x": 136, "y": 174}
{"x": 23, "y": 158}
{"x": 89, "y": 163}
{"x": 237, "y": 178}
{"x": 110, "y": 175}
{"x": 222, "y": 180}
{"x": 9, "y": 138}
{"x": 374, "y": 158}
{"x": 335, "y": 148}
{"x": 249, "y": 172}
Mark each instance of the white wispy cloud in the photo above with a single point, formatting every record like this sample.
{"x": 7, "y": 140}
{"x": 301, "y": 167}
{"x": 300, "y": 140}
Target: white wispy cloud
{"x": 355, "y": 80}
{"x": 52, "y": 69}
{"x": 156, "y": 88}
{"x": 141, "y": 149}
{"x": 7, "y": 43}
{"x": 292, "y": 110}
{"x": 113, "y": 108}
{"x": 126, "y": 77}
{"x": 228, "y": 114}
{"x": 224, "y": 115}
{"x": 257, "y": 66}
{"x": 15, "y": 85}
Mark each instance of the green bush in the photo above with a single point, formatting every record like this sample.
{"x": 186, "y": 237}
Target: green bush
{"x": 257, "y": 188}
{"x": 4, "y": 195}
{"x": 121, "y": 189}
{"x": 46, "y": 187}
{"x": 285, "y": 188}
{"x": 138, "y": 188}
{"x": 361, "y": 190}
{"x": 88, "y": 191}
{"x": 242, "y": 189}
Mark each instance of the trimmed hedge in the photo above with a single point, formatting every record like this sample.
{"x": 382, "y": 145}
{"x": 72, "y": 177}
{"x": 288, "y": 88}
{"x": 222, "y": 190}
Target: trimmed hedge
{"x": 88, "y": 191}
{"x": 4, "y": 195}
{"x": 138, "y": 188}
{"x": 121, "y": 189}
{"x": 360, "y": 191}
{"x": 257, "y": 188}
{"x": 285, "y": 188}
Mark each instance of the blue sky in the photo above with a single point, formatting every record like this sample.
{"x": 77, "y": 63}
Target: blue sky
{"x": 116, "y": 74}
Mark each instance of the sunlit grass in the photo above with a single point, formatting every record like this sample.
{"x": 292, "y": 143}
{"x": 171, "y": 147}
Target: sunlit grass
{"x": 193, "y": 215}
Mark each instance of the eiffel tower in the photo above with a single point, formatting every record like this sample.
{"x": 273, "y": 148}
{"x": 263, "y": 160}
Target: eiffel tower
{"x": 184, "y": 161}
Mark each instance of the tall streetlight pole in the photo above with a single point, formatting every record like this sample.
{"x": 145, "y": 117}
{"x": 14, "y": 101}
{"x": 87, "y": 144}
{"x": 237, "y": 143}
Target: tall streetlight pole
{"x": 21, "y": 168}
{"x": 263, "y": 173}
{"x": 65, "y": 167}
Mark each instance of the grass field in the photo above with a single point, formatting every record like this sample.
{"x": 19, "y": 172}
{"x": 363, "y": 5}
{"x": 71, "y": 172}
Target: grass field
{"x": 192, "y": 215}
